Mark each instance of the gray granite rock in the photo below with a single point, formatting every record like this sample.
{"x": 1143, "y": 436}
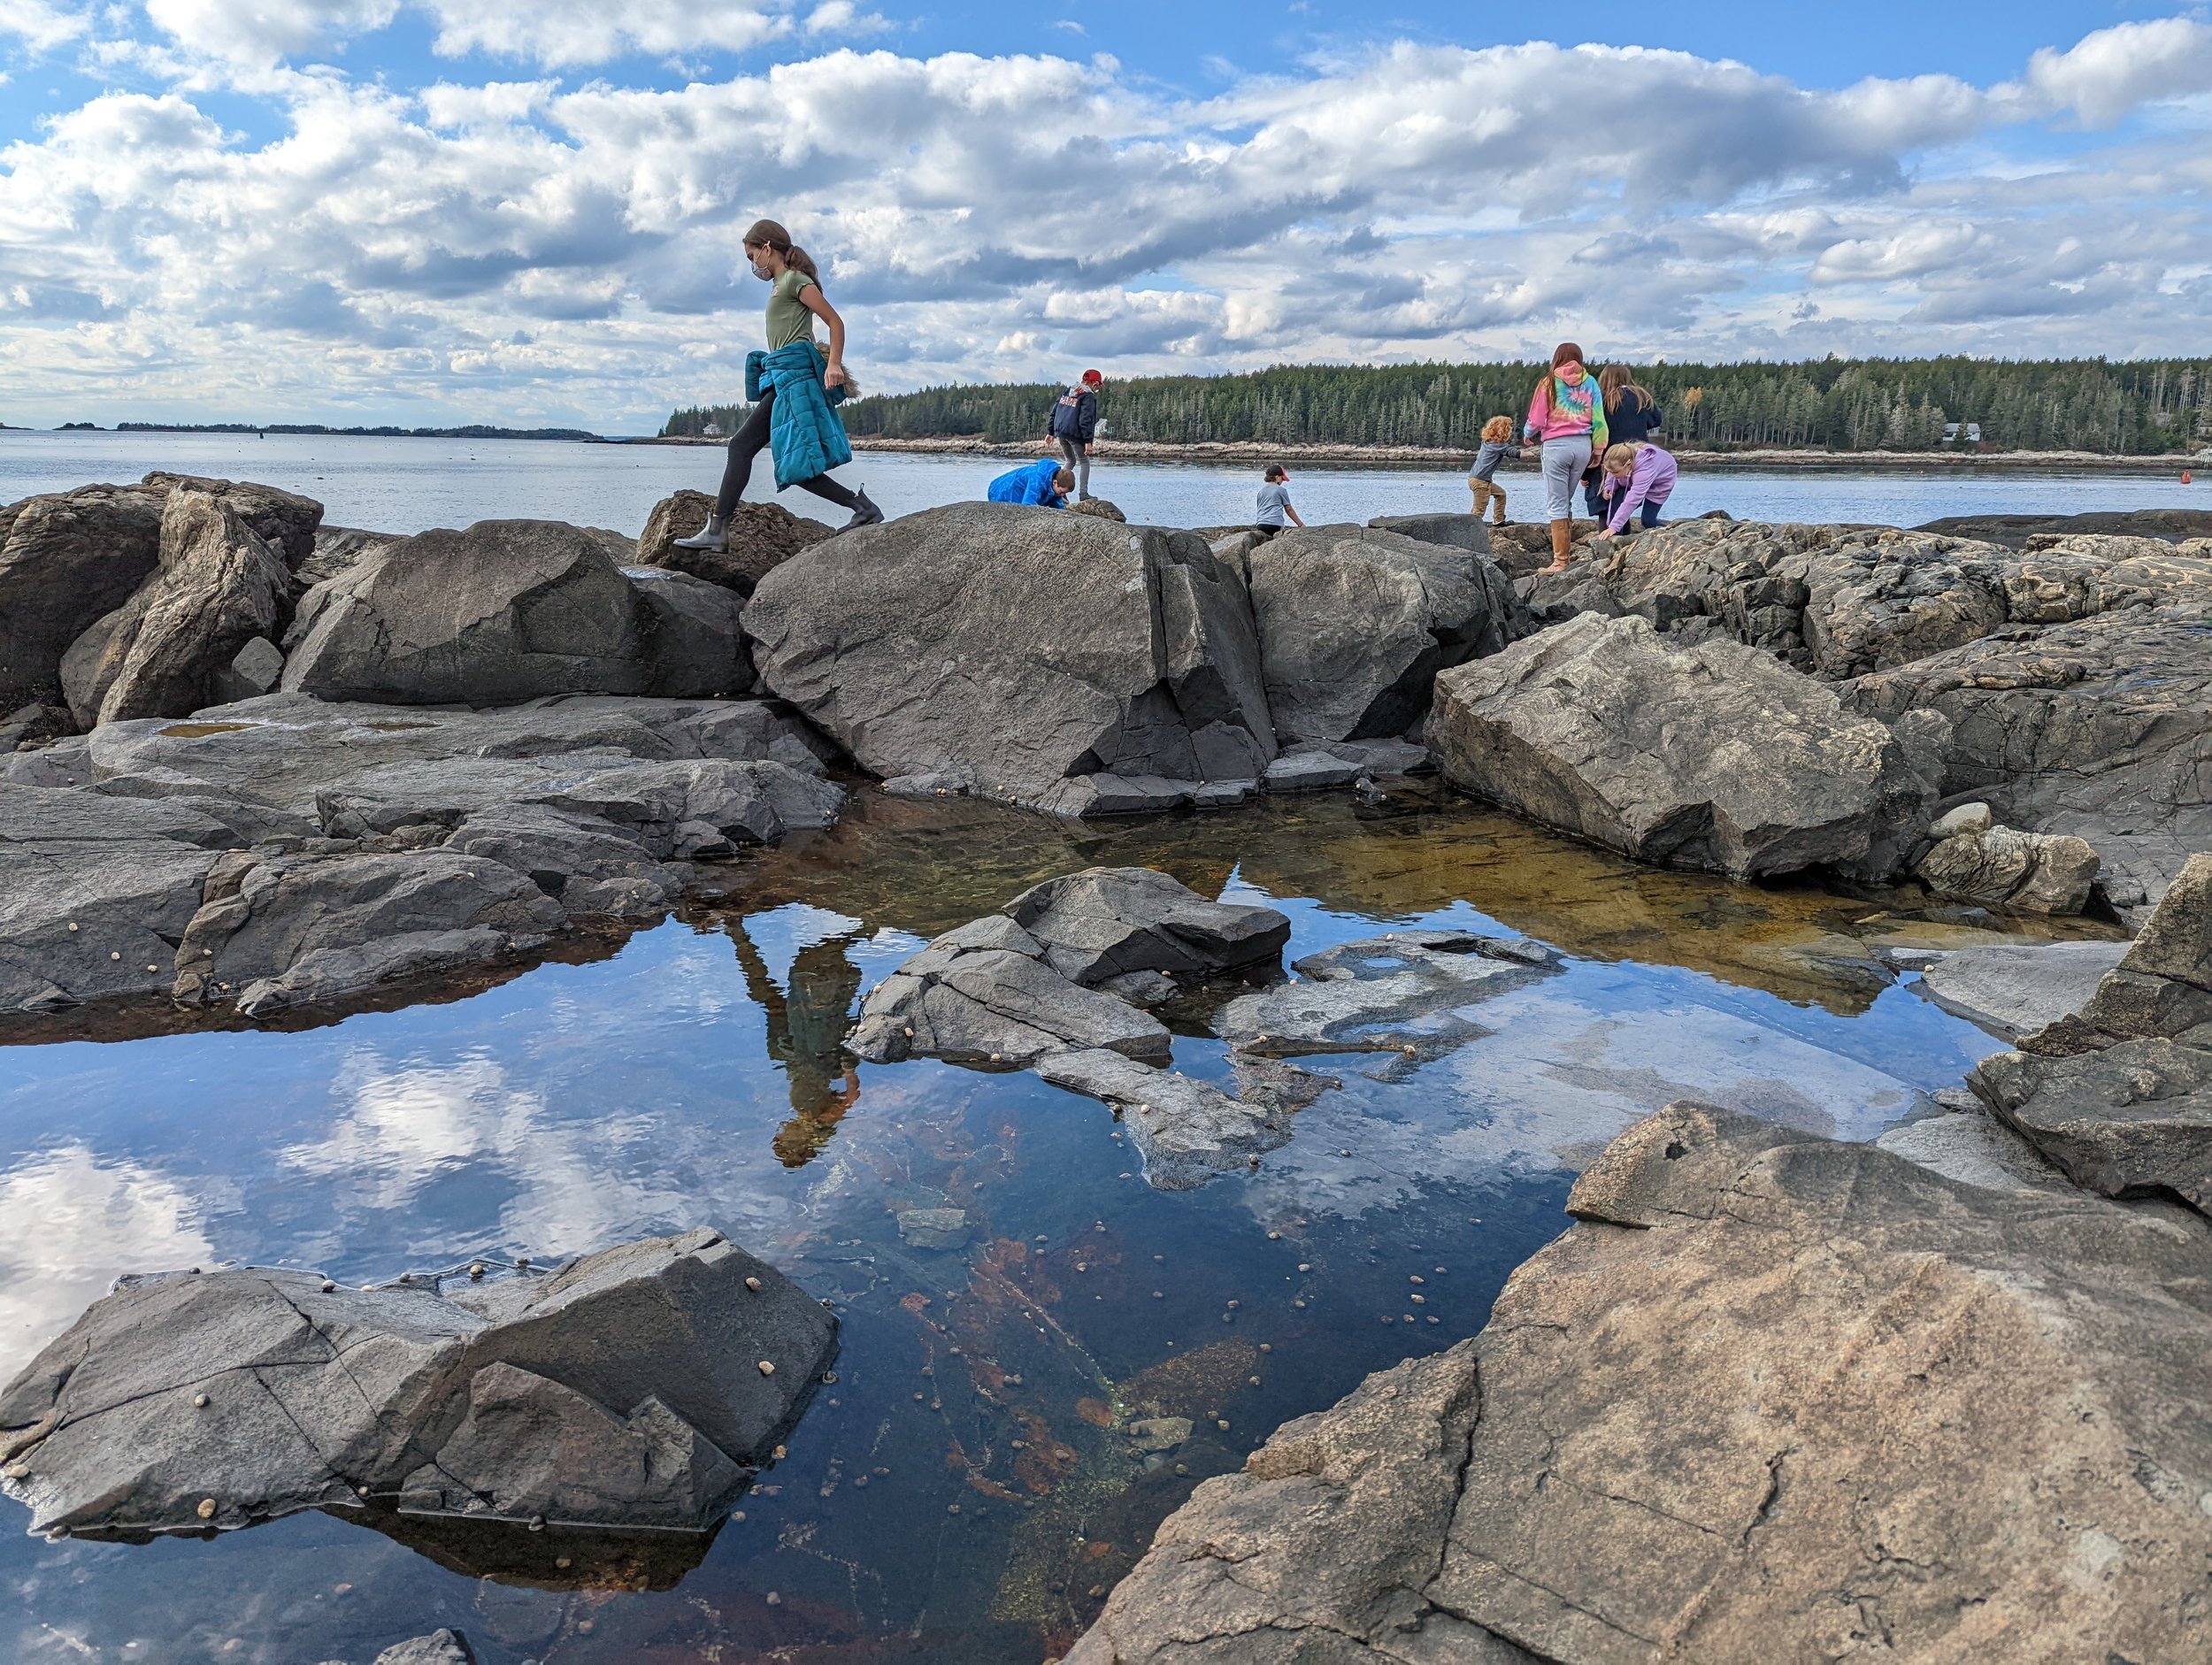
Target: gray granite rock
{"x": 2016, "y": 988}
{"x": 1715, "y": 757}
{"x": 1033, "y": 655}
{"x": 440, "y": 1647}
{"x": 2134, "y": 1119}
{"x": 2161, "y": 987}
{"x": 1974, "y": 1149}
{"x": 66, "y": 561}
{"x": 1186, "y": 1132}
{"x": 2019, "y": 872}
{"x": 639, "y": 1386}
{"x": 762, "y": 536}
{"x": 1104, "y": 922}
{"x": 1355, "y": 624}
{"x": 1653, "y": 1451}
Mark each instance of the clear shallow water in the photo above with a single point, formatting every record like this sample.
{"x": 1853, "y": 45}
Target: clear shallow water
{"x": 393, "y": 485}
{"x": 957, "y": 1495}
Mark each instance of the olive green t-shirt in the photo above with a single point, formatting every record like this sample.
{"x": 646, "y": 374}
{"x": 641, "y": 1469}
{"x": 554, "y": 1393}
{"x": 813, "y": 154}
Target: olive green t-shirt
{"x": 788, "y": 319}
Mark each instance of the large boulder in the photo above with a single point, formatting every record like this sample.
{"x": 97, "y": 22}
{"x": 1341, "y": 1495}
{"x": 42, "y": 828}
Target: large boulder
{"x": 642, "y": 1386}
{"x": 1355, "y": 624}
{"x": 505, "y": 611}
{"x": 164, "y": 652}
{"x": 1774, "y": 1398}
{"x": 68, "y": 561}
{"x": 761, "y": 537}
{"x": 288, "y": 522}
{"x": 1018, "y": 652}
{"x": 1973, "y": 859}
{"x": 1714, "y": 757}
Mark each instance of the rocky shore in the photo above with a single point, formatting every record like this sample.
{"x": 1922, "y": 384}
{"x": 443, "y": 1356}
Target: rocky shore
{"x": 1773, "y": 1396}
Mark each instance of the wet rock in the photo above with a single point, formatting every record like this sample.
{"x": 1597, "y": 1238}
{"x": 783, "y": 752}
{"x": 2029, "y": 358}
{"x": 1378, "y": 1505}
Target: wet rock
{"x": 1105, "y": 922}
{"x": 999, "y": 1005}
{"x": 1023, "y": 653}
{"x": 1650, "y": 1450}
{"x": 624, "y": 1390}
{"x": 1355, "y": 624}
{"x": 440, "y": 1647}
{"x": 1715, "y": 757}
{"x": 936, "y": 1228}
{"x": 163, "y": 653}
{"x": 2132, "y": 1120}
{"x": 2016, "y": 988}
{"x": 1404, "y": 993}
{"x": 1185, "y": 1133}
{"x": 505, "y": 611}
{"x": 762, "y": 536}
{"x": 66, "y": 561}
{"x": 1159, "y": 1433}
{"x": 2003, "y": 868}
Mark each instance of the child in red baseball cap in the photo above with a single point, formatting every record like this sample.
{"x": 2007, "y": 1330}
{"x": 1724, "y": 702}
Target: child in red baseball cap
{"x": 1075, "y": 424}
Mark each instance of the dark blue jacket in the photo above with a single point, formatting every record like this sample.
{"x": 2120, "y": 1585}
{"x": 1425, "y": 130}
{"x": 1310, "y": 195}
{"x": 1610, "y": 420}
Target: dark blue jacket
{"x": 1632, "y": 421}
{"x": 1030, "y": 485}
{"x": 1075, "y": 416}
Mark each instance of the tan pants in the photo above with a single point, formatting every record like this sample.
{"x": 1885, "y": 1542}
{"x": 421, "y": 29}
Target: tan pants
{"x": 1487, "y": 491}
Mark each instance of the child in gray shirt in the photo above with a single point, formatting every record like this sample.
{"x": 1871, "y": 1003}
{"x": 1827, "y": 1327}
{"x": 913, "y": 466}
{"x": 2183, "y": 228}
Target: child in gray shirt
{"x": 1497, "y": 445}
{"x": 1274, "y": 507}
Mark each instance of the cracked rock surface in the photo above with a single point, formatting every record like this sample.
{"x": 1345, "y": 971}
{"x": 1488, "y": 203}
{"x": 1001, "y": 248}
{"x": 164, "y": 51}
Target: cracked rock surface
{"x": 626, "y": 1389}
{"x": 1773, "y": 1398}
{"x": 286, "y": 850}
{"x": 1714, "y": 757}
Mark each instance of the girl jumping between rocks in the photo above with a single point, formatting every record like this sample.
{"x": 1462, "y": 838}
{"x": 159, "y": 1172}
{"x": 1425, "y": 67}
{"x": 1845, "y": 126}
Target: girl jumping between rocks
{"x": 793, "y": 389}
{"x": 1567, "y": 418}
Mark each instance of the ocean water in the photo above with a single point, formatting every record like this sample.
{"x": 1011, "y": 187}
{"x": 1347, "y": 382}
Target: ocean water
{"x": 403, "y": 485}
{"x": 964, "y": 1492}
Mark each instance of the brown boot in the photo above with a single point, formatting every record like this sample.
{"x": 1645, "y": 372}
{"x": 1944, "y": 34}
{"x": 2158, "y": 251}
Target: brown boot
{"x": 1561, "y": 543}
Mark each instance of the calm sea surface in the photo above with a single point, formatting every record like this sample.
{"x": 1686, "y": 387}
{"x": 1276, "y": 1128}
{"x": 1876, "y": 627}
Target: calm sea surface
{"x": 964, "y": 1493}
{"x": 410, "y": 485}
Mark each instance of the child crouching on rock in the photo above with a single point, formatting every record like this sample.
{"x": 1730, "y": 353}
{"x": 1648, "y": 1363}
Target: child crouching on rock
{"x": 1639, "y": 478}
{"x": 1497, "y": 445}
{"x": 1044, "y": 482}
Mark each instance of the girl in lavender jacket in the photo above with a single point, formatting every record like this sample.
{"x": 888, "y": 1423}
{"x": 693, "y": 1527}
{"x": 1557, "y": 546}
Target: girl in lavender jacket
{"x": 1639, "y": 476}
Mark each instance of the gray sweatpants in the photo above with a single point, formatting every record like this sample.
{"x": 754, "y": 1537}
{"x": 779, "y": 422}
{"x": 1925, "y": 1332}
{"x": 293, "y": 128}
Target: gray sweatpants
{"x": 1564, "y": 460}
{"x": 1079, "y": 455}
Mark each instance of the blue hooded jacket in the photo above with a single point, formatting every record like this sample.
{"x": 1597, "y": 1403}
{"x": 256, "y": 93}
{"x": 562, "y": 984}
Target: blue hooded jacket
{"x": 1030, "y": 485}
{"x": 804, "y": 430}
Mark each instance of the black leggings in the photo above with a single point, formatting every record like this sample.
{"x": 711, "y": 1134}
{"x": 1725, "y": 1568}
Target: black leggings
{"x": 747, "y": 443}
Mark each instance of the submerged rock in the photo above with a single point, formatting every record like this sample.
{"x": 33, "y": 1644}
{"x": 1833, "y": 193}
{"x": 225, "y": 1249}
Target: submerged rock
{"x": 1405, "y": 993}
{"x": 1715, "y": 757}
{"x": 440, "y": 1647}
{"x": 1054, "y": 982}
{"x": 639, "y": 1386}
{"x": 1060, "y": 660}
{"x": 1652, "y": 1449}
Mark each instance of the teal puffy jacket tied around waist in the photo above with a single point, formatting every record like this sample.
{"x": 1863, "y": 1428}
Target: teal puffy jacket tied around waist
{"x": 804, "y": 430}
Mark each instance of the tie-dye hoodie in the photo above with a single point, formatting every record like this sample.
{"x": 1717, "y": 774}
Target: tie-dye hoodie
{"x": 1560, "y": 412}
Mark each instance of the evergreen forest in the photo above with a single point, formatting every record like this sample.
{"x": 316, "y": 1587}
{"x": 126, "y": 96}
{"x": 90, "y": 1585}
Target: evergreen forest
{"x": 2141, "y": 409}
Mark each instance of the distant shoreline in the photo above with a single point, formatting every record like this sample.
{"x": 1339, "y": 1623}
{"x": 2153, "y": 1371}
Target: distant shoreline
{"x": 1246, "y": 452}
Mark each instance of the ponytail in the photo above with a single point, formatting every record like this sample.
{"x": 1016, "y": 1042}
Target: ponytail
{"x": 766, "y": 234}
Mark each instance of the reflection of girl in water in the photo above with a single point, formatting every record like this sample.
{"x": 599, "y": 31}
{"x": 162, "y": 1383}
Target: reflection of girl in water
{"x": 806, "y": 1038}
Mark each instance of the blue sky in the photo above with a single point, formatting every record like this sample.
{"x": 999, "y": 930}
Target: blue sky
{"x": 521, "y": 211}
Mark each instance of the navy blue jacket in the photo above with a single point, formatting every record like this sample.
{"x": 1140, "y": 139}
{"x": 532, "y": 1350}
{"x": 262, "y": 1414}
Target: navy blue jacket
{"x": 1632, "y": 421}
{"x": 1075, "y": 416}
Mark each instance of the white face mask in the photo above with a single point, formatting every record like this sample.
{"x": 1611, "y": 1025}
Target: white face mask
{"x": 759, "y": 263}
